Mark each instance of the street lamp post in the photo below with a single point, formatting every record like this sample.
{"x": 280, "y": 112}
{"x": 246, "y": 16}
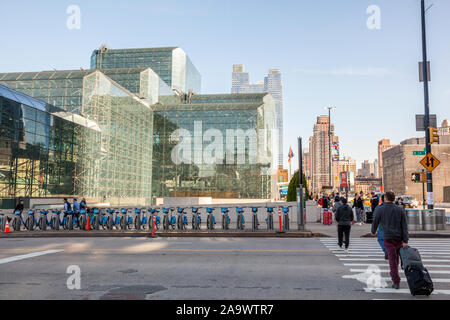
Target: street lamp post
{"x": 329, "y": 145}
{"x": 427, "y": 104}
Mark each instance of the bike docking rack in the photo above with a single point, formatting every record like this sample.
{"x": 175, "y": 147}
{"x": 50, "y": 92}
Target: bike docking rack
{"x": 156, "y": 221}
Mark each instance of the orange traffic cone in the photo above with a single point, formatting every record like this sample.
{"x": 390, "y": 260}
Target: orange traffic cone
{"x": 88, "y": 224}
{"x": 7, "y": 230}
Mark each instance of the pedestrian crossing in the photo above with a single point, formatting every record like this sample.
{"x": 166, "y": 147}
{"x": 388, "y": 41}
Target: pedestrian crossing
{"x": 365, "y": 262}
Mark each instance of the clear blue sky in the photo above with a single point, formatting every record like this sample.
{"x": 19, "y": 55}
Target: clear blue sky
{"x": 323, "y": 48}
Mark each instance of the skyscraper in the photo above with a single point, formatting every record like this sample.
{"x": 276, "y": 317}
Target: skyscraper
{"x": 240, "y": 79}
{"x": 273, "y": 85}
{"x": 320, "y": 153}
{"x": 171, "y": 64}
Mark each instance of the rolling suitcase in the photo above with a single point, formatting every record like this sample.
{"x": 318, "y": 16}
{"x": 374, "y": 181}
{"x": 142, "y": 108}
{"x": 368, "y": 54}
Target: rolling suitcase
{"x": 327, "y": 217}
{"x": 418, "y": 277}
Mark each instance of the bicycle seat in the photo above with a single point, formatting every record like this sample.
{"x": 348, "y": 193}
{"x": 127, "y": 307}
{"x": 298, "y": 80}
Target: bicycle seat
{"x": 165, "y": 210}
{"x": 286, "y": 210}
{"x": 224, "y": 210}
{"x": 96, "y": 211}
{"x": 239, "y": 210}
{"x": 194, "y": 210}
{"x": 123, "y": 211}
{"x": 110, "y": 210}
{"x": 209, "y": 210}
{"x": 254, "y": 210}
{"x": 30, "y": 212}
{"x": 137, "y": 211}
{"x": 17, "y": 212}
{"x": 269, "y": 209}
{"x": 180, "y": 210}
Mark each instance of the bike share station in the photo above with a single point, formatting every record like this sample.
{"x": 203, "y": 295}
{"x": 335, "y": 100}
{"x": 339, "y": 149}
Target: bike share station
{"x": 176, "y": 219}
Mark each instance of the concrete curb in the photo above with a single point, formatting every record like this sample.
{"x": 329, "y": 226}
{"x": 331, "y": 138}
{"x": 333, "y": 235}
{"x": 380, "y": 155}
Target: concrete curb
{"x": 90, "y": 234}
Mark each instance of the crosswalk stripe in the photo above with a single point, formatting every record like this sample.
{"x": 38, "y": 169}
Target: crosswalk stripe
{"x": 376, "y": 259}
{"x": 404, "y": 291}
{"x": 388, "y": 279}
{"x": 364, "y": 253}
{"x": 387, "y": 265}
{"x": 388, "y": 271}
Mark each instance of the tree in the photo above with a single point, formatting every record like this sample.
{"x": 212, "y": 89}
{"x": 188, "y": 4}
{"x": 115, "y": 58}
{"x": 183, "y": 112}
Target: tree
{"x": 293, "y": 185}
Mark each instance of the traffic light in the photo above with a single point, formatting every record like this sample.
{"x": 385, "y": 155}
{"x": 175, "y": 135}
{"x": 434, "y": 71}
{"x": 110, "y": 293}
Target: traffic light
{"x": 415, "y": 177}
{"x": 434, "y": 137}
{"x": 419, "y": 177}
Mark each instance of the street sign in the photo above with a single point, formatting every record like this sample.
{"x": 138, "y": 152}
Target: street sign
{"x": 420, "y": 122}
{"x": 419, "y": 153}
{"x": 430, "y": 162}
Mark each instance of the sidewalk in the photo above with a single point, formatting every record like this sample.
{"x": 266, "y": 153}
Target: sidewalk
{"x": 162, "y": 234}
{"x": 364, "y": 231}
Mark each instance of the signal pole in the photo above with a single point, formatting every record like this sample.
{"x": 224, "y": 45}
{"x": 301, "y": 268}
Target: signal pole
{"x": 427, "y": 105}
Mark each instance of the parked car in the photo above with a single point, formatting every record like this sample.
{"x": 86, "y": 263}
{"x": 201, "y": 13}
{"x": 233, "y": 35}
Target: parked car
{"x": 409, "y": 201}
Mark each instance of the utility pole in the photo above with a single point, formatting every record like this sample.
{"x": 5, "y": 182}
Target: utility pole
{"x": 300, "y": 215}
{"x": 427, "y": 105}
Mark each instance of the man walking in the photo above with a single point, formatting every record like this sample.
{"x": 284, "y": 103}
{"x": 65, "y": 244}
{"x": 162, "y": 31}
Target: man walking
{"x": 392, "y": 219}
{"x": 380, "y": 236}
{"x": 345, "y": 219}
{"x": 359, "y": 208}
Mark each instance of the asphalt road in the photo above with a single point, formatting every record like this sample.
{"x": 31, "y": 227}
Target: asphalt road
{"x": 194, "y": 268}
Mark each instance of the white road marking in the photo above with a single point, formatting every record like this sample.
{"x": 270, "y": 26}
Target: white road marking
{"x": 387, "y": 265}
{"x": 435, "y": 280}
{"x": 404, "y": 291}
{"x": 27, "y": 256}
{"x": 388, "y": 271}
{"x": 359, "y": 259}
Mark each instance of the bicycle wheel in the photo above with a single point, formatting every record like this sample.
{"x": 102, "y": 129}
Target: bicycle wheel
{"x": 43, "y": 223}
{"x": 29, "y": 223}
{"x": 82, "y": 222}
{"x": 55, "y": 223}
{"x": 16, "y": 224}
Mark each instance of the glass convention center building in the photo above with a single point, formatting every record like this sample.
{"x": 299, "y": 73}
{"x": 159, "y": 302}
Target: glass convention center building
{"x": 108, "y": 132}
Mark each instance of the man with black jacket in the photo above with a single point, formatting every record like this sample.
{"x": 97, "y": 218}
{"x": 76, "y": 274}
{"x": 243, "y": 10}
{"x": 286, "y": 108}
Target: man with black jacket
{"x": 345, "y": 219}
{"x": 392, "y": 219}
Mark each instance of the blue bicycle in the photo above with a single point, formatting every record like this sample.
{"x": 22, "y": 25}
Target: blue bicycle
{"x": 255, "y": 222}
{"x": 240, "y": 219}
{"x": 269, "y": 219}
{"x": 3, "y": 220}
{"x": 31, "y": 221}
{"x": 125, "y": 220}
{"x": 43, "y": 221}
{"x": 182, "y": 220}
{"x": 154, "y": 213}
{"x": 69, "y": 220}
{"x": 196, "y": 219}
{"x": 17, "y": 220}
{"x": 111, "y": 220}
{"x": 210, "y": 219}
{"x": 169, "y": 219}
{"x": 100, "y": 219}
{"x": 285, "y": 218}
{"x": 225, "y": 219}
{"x": 138, "y": 220}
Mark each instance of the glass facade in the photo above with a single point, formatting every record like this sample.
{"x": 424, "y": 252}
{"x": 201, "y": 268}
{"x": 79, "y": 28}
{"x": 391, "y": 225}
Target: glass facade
{"x": 44, "y": 151}
{"x": 196, "y": 176}
{"x": 126, "y": 122}
{"x": 171, "y": 64}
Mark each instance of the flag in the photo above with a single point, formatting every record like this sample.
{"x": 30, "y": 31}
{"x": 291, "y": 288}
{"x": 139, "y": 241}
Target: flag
{"x": 291, "y": 154}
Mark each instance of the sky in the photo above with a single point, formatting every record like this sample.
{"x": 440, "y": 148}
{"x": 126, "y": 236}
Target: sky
{"x": 326, "y": 53}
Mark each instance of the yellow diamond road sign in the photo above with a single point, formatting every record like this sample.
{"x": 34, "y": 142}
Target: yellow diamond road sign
{"x": 430, "y": 162}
